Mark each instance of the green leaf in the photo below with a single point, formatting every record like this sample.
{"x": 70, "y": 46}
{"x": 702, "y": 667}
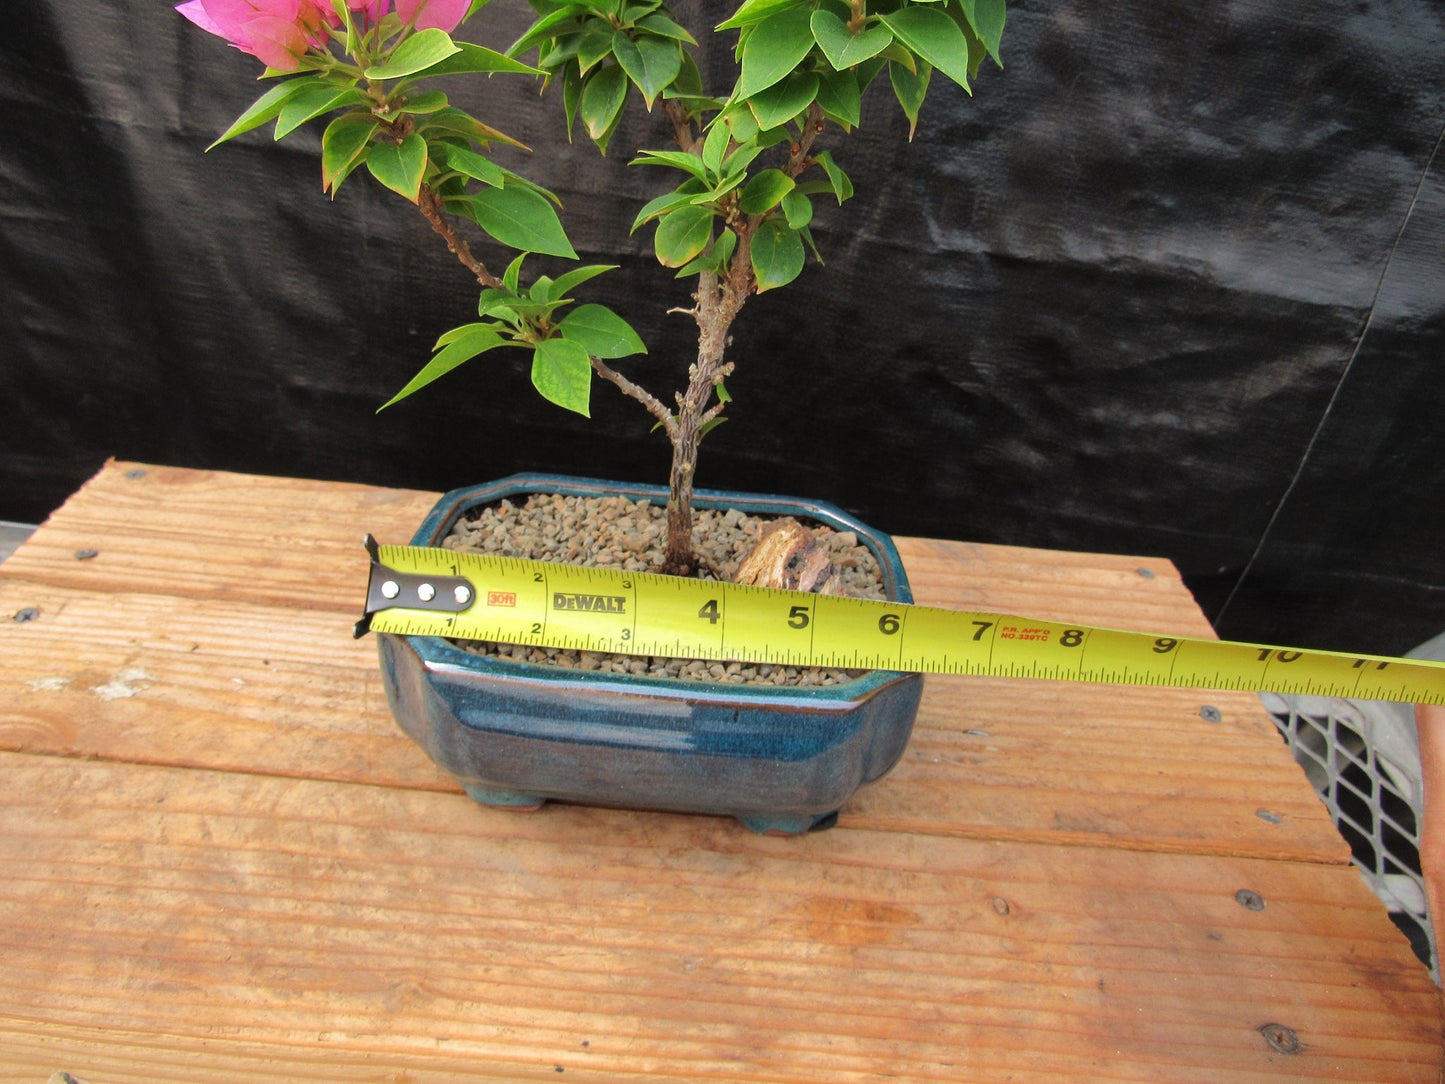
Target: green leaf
{"x": 755, "y": 11}
{"x": 807, "y": 236}
{"x": 468, "y": 342}
{"x": 839, "y": 97}
{"x": 344, "y": 141}
{"x": 666, "y": 202}
{"x": 910, "y": 89}
{"x": 446, "y": 338}
{"x": 464, "y": 124}
{"x": 689, "y": 79}
{"x": 691, "y": 163}
{"x": 742, "y": 122}
{"x": 777, "y": 255}
{"x": 784, "y": 101}
{"x": 562, "y": 372}
{"x": 987, "y": 18}
{"x": 577, "y": 277}
{"x": 682, "y": 234}
{"x": 715, "y": 258}
{"x": 869, "y": 69}
{"x": 503, "y": 305}
{"x": 741, "y": 157}
{"x": 723, "y": 247}
{"x": 651, "y": 63}
{"x": 765, "y": 191}
{"x": 977, "y": 51}
{"x": 266, "y": 108}
{"x": 311, "y": 102}
{"x": 400, "y": 167}
{"x": 841, "y": 46}
{"x": 663, "y": 27}
{"x": 723, "y": 395}
{"x": 842, "y": 186}
{"x": 469, "y": 59}
{"x": 543, "y": 29}
{"x": 343, "y": 12}
{"x": 517, "y": 178}
{"x": 429, "y": 101}
{"x": 520, "y": 218}
{"x": 602, "y": 99}
{"x": 601, "y": 332}
{"x": 715, "y": 146}
{"x": 471, "y": 164}
{"x": 773, "y": 49}
{"x": 933, "y": 36}
{"x": 711, "y": 196}
{"x": 492, "y": 301}
{"x": 708, "y": 426}
{"x": 571, "y": 95}
{"x": 603, "y": 141}
{"x": 898, "y": 54}
{"x": 554, "y": 54}
{"x": 513, "y": 273}
{"x": 797, "y": 209}
{"x": 416, "y": 54}
{"x": 592, "y": 49}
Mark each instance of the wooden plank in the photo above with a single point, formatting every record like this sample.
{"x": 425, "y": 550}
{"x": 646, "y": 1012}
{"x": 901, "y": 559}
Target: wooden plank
{"x": 213, "y": 534}
{"x": 296, "y": 542}
{"x": 1099, "y": 765}
{"x": 200, "y": 913}
{"x": 251, "y": 688}
{"x": 1144, "y": 594}
{"x": 164, "y": 680}
{"x": 204, "y": 581}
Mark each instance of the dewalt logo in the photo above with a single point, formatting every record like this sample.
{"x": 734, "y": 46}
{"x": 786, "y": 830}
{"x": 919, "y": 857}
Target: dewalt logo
{"x": 604, "y": 604}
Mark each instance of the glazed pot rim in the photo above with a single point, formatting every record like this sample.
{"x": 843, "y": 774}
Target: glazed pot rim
{"x": 443, "y": 658}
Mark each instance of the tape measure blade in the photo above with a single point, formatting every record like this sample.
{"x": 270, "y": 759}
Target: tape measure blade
{"x": 762, "y": 623}
{"x": 598, "y": 609}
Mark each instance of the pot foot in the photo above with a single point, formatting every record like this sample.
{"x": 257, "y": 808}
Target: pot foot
{"x": 789, "y": 826}
{"x": 498, "y": 798}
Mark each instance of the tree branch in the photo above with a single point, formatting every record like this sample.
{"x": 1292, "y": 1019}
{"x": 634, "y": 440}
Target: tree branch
{"x": 681, "y": 126}
{"x": 431, "y": 206}
{"x": 717, "y": 408}
{"x": 798, "y": 159}
{"x": 653, "y": 405}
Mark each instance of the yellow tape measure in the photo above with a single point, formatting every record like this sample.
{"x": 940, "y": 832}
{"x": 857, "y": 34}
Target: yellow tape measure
{"x": 420, "y": 591}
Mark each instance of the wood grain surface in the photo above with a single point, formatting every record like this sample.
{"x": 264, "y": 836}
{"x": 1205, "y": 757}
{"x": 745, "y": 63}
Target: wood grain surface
{"x": 221, "y": 860}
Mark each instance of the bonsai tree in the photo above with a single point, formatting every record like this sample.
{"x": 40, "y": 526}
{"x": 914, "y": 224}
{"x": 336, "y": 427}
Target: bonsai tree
{"x": 746, "y": 161}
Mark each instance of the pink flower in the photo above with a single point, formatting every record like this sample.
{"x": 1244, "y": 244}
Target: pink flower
{"x": 277, "y": 32}
{"x": 280, "y": 32}
{"x": 425, "y": 14}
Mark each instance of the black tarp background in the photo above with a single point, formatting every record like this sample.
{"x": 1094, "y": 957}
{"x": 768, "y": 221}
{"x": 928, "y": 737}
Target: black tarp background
{"x": 1170, "y": 284}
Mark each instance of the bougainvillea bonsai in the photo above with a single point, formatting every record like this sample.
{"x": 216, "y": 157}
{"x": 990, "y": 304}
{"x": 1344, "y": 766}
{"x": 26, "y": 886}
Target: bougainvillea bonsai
{"x": 751, "y": 159}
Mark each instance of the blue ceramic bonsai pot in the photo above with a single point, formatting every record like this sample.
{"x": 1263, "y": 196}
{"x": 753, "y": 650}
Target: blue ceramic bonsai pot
{"x": 517, "y": 734}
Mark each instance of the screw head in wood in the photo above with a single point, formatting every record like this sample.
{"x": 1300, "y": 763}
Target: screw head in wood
{"x": 1280, "y": 1038}
{"x": 1249, "y": 899}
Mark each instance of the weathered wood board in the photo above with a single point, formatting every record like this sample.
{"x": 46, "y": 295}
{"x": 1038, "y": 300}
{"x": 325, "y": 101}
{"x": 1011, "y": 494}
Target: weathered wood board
{"x": 220, "y": 859}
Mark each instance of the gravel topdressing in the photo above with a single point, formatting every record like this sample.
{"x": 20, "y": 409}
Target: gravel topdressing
{"x": 621, "y": 533}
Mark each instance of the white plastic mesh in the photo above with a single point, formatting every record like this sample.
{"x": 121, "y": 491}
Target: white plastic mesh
{"x": 1363, "y": 758}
